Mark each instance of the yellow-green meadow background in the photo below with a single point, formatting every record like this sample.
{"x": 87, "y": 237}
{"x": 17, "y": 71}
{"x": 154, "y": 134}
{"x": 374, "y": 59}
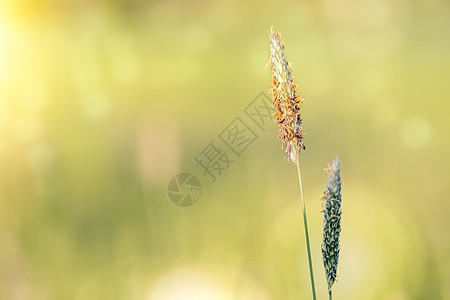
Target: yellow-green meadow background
{"x": 103, "y": 102}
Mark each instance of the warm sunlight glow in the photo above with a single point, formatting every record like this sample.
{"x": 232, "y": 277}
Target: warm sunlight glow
{"x": 187, "y": 284}
{"x": 3, "y": 45}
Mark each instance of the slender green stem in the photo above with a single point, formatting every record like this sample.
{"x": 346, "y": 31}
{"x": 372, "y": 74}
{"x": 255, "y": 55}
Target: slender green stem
{"x": 329, "y": 293}
{"x": 307, "y": 235}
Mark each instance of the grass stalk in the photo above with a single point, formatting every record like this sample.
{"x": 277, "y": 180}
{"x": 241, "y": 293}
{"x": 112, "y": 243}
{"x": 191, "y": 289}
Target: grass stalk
{"x": 330, "y": 296}
{"x": 305, "y": 221}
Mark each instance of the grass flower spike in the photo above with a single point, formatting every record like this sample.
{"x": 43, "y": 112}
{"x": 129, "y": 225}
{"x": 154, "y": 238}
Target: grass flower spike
{"x": 286, "y": 100}
{"x": 332, "y": 212}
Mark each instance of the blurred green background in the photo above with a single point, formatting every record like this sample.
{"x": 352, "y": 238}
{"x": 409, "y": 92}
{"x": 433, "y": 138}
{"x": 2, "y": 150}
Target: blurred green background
{"x": 103, "y": 102}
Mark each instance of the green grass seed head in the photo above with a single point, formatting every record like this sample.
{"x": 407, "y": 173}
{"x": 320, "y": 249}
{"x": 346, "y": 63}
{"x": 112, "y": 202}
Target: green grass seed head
{"x": 332, "y": 212}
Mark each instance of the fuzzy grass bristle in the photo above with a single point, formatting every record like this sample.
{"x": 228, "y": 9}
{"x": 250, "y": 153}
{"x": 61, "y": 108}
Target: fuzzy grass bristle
{"x": 286, "y": 100}
{"x": 332, "y": 212}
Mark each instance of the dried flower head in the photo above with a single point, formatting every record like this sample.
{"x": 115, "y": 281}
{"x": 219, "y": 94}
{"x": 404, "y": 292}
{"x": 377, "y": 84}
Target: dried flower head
{"x": 332, "y": 212}
{"x": 286, "y": 100}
